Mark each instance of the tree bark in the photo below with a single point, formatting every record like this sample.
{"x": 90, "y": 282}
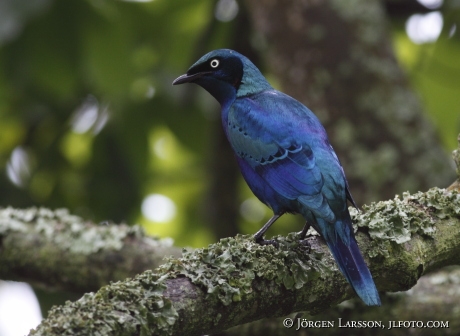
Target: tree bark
{"x": 53, "y": 249}
{"x": 237, "y": 281}
{"x": 434, "y": 298}
{"x": 336, "y": 57}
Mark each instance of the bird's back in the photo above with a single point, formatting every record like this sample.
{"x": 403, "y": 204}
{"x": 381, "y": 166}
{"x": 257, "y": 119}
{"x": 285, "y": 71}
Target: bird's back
{"x": 271, "y": 121}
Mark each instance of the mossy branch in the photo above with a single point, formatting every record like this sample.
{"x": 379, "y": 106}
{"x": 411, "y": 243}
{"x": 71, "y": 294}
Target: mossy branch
{"x": 435, "y": 297}
{"x": 57, "y": 250}
{"x": 237, "y": 281}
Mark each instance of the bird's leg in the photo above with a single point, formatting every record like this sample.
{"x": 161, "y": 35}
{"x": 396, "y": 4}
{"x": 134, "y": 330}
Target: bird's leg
{"x": 258, "y": 237}
{"x": 303, "y": 234}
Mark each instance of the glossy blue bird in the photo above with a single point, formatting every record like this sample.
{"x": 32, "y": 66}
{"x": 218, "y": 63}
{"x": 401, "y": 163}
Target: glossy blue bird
{"x": 285, "y": 157}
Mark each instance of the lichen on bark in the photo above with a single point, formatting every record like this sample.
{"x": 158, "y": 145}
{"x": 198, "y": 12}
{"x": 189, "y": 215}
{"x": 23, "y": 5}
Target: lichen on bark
{"x": 36, "y": 245}
{"x": 236, "y": 280}
{"x": 132, "y": 307}
{"x": 398, "y": 219}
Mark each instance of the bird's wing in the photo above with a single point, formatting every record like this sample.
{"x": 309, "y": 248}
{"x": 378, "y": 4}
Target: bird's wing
{"x": 347, "y": 188}
{"x": 285, "y": 163}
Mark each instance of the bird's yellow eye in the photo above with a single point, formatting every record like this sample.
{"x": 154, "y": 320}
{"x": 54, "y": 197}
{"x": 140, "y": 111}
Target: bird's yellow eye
{"x": 214, "y": 63}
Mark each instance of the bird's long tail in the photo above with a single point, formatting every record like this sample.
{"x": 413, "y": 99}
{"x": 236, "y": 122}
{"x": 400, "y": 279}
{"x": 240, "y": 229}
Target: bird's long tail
{"x": 351, "y": 263}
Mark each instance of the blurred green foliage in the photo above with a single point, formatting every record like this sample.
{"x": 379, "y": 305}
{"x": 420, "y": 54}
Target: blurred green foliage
{"x": 434, "y": 71}
{"x": 89, "y": 120}
{"x": 86, "y": 97}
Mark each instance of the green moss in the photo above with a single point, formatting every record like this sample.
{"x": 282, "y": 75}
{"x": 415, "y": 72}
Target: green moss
{"x": 226, "y": 269}
{"x": 135, "y": 306}
{"x": 70, "y": 232}
{"x": 398, "y": 219}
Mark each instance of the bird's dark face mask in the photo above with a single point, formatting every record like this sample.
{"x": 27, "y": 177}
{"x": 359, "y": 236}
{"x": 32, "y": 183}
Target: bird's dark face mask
{"x": 221, "y": 77}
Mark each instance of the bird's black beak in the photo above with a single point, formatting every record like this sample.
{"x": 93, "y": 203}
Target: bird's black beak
{"x": 182, "y": 79}
{"x": 188, "y": 78}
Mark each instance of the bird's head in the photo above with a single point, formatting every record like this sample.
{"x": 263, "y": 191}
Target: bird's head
{"x": 225, "y": 74}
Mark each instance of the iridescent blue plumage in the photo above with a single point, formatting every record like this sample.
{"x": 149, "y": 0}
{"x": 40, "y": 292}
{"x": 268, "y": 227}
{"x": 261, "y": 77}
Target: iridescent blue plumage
{"x": 285, "y": 157}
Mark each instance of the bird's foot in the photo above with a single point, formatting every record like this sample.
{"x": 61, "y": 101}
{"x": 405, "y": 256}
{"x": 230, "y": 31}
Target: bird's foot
{"x": 303, "y": 239}
{"x": 305, "y": 243}
{"x": 263, "y": 241}
{"x": 303, "y": 235}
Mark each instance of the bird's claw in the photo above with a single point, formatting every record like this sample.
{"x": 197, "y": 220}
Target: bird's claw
{"x": 263, "y": 242}
{"x": 305, "y": 243}
{"x": 303, "y": 239}
{"x": 301, "y": 235}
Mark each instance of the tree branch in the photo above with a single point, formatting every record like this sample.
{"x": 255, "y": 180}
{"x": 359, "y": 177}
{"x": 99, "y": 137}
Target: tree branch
{"x": 236, "y": 281}
{"x": 435, "y": 297}
{"x": 58, "y": 250}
